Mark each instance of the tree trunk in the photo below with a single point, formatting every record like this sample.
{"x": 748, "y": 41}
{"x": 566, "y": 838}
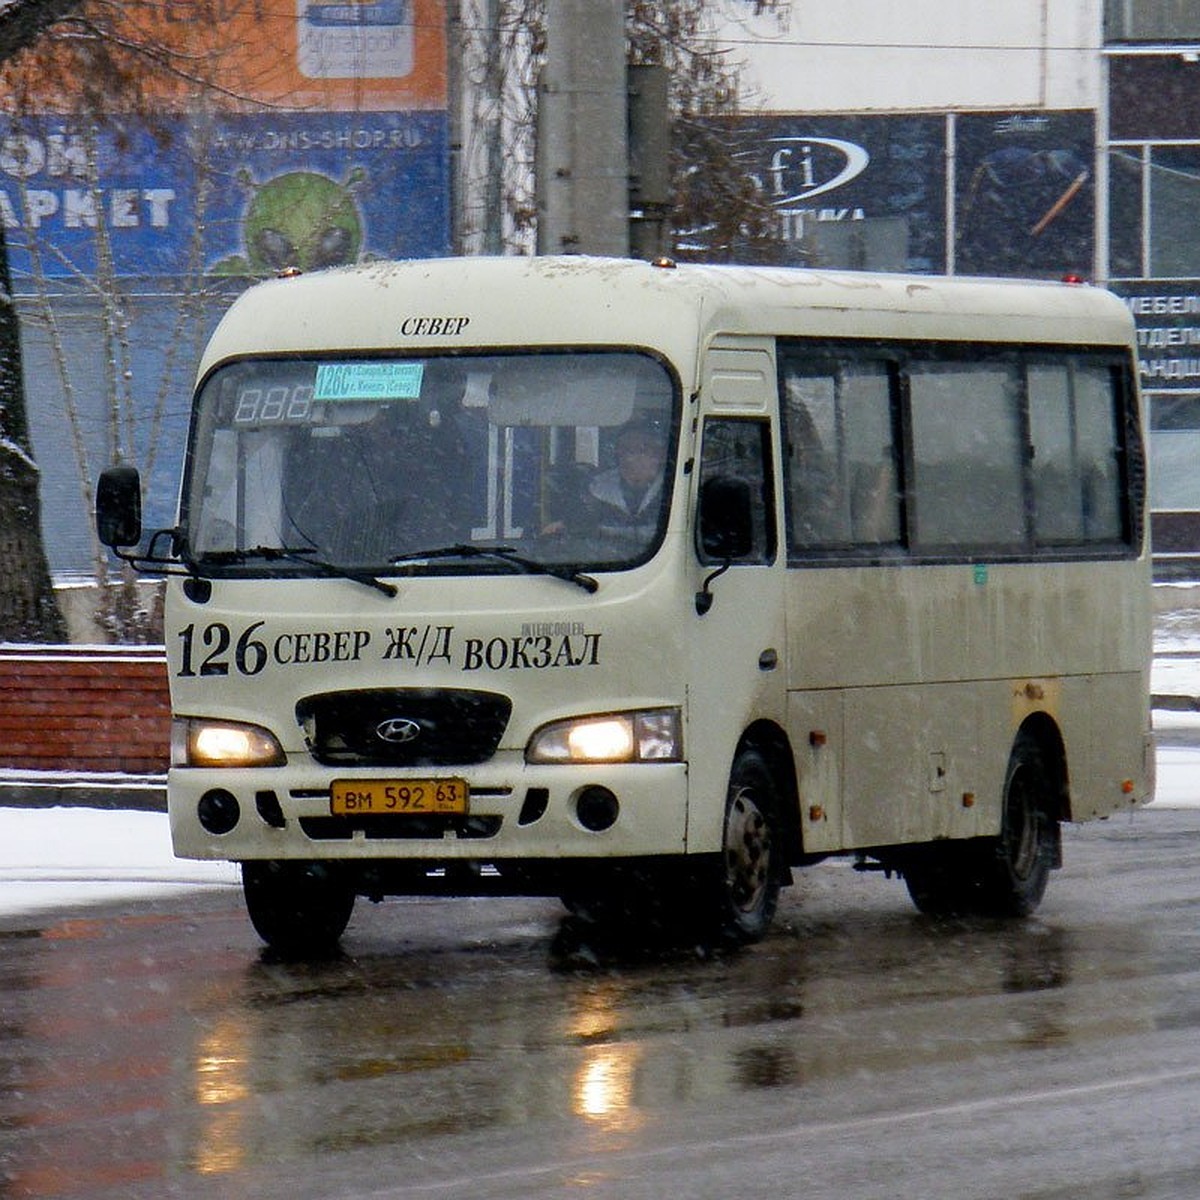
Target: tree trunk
{"x": 28, "y": 609}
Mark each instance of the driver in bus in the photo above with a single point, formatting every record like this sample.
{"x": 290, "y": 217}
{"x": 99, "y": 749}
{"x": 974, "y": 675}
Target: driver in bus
{"x": 622, "y": 502}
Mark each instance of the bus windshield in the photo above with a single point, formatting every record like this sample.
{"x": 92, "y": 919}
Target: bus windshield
{"x": 409, "y": 465}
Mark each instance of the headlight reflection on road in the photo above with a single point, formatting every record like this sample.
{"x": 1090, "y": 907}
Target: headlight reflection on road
{"x": 220, "y": 1083}
{"x": 605, "y": 1085}
{"x": 603, "y": 1088}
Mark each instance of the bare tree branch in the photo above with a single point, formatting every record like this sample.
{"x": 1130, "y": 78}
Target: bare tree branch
{"x": 22, "y": 22}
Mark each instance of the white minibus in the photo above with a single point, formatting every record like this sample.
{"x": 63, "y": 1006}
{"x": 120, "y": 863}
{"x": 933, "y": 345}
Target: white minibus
{"x": 643, "y": 584}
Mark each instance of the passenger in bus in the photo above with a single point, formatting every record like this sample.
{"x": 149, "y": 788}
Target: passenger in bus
{"x": 627, "y": 494}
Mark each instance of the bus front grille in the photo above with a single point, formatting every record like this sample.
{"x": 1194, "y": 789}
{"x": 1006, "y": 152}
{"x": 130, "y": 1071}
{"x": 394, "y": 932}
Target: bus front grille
{"x": 409, "y": 727}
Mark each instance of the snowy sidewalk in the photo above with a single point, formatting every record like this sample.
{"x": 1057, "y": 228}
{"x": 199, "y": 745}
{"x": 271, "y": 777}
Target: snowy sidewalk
{"x": 60, "y": 857}
{"x": 1178, "y": 781}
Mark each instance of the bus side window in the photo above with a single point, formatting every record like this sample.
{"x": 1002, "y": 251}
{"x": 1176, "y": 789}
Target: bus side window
{"x": 873, "y": 481}
{"x": 969, "y": 455}
{"x": 817, "y": 502}
{"x": 740, "y": 448}
{"x": 840, "y": 467}
{"x": 1076, "y": 441}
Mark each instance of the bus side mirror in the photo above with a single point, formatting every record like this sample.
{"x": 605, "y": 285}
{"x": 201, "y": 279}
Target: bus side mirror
{"x": 119, "y": 507}
{"x": 726, "y": 518}
{"x": 726, "y": 527}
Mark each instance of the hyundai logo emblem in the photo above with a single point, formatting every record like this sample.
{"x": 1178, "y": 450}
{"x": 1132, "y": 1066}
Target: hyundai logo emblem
{"x": 397, "y": 730}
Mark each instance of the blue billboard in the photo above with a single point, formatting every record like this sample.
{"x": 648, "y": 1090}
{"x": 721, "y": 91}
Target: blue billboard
{"x": 234, "y": 195}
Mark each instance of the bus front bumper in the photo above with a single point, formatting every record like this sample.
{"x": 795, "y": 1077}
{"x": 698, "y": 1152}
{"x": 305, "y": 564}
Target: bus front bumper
{"x": 529, "y": 812}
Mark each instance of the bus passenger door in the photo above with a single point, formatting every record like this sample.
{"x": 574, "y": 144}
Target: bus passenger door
{"x": 737, "y": 638}
{"x": 841, "y": 480}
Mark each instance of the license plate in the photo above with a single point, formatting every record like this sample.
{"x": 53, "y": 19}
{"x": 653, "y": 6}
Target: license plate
{"x": 397, "y": 797}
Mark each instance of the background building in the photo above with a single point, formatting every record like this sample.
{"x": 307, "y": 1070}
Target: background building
{"x": 1035, "y": 138}
{"x": 931, "y": 137}
{"x": 1151, "y": 73}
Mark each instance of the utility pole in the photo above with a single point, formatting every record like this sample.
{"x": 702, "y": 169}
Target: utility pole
{"x": 649, "y": 159}
{"x": 582, "y": 151}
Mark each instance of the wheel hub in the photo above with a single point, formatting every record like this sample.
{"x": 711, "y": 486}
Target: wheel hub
{"x": 747, "y": 852}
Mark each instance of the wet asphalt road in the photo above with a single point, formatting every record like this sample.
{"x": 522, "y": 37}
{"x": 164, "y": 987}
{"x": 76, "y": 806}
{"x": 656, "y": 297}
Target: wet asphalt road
{"x": 482, "y": 1049}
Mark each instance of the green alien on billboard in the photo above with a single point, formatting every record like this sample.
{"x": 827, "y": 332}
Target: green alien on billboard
{"x": 299, "y": 220}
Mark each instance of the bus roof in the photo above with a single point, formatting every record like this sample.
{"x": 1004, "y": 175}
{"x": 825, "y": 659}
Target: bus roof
{"x": 459, "y": 303}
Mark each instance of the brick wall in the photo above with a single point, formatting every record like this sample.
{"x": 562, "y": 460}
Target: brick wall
{"x": 84, "y": 708}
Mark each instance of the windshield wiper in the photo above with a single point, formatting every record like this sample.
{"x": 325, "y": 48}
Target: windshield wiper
{"x": 503, "y": 554}
{"x": 300, "y": 554}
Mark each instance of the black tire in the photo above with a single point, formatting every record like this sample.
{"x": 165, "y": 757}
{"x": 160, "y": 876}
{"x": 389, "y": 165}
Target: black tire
{"x": 729, "y": 897}
{"x": 940, "y": 880}
{"x": 596, "y": 905}
{"x": 632, "y": 905}
{"x": 299, "y": 909}
{"x": 1004, "y": 876}
{"x": 1014, "y": 879}
{"x": 744, "y": 891}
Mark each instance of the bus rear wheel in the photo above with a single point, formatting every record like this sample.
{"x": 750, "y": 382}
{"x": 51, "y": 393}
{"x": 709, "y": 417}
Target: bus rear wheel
{"x": 300, "y": 909}
{"x": 1015, "y": 878}
{"x": 939, "y": 882}
{"x": 1004, "y": 876}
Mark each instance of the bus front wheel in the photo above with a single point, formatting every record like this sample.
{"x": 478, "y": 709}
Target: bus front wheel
{"x": 745, "y": 890}
{"x": 300, "y": 909}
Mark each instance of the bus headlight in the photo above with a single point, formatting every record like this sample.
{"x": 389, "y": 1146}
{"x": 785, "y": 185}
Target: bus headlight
{"x": 196, "y": 742}
{"x": 649, "y": 736}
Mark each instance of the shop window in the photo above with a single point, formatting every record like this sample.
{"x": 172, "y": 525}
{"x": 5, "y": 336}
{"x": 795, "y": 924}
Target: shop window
{"x": 1150, "y": 20}
{"x": 1174, "y": 211}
